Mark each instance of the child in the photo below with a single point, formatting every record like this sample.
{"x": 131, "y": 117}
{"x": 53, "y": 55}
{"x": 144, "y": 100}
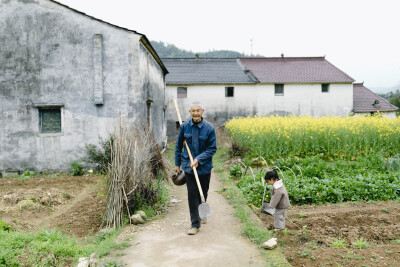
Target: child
{"x": 279, "y": 199}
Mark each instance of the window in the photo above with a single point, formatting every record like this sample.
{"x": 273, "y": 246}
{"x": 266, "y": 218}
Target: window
{"x": 278, "y": 89}
{"x": 325, "y": 88}
{"x": 50, "y": 120}
{"x": 182, "y": 92}
{"x": 229, "y": 91}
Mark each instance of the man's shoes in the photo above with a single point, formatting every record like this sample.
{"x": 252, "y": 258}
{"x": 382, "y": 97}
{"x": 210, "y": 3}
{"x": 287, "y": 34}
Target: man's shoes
{"x": 204, "y": 220}
{"x": 193, "y": 231}
{"x": 278, "y": 229}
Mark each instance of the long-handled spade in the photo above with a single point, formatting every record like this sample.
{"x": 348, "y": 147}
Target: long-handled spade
{"x": 204, "y": 208}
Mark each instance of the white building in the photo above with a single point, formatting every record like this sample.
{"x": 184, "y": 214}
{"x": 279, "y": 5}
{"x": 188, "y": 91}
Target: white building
{"x": 65, "y": 79}
{"x": 367, "y": 102}
{"x": 249, "y": 86}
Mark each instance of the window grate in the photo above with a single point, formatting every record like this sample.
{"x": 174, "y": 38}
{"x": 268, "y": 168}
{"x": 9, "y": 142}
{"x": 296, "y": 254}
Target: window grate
{"x": 50, "y": 120}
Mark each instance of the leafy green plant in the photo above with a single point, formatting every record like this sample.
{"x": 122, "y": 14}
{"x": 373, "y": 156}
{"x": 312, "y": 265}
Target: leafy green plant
{"x": 305, "y": 253}
{"x": 313, "y": 180}
{"x": 360, "y": 243}
{"x": 100, "y": 156}
{"x": 394, "y": 163}
{"x": 339, "y": 243}
{"x": 236, "y": 171}
{"x": 4, "y": 226}
{"x": 76, "y": 169}
{"x": 386, "y": 210}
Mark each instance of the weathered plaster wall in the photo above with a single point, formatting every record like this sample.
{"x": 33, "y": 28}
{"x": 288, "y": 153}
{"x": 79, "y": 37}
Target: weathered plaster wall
{"x": 46, "y": 57}
{"x": 260, "y": 99}
{"x": 389, "y": 115}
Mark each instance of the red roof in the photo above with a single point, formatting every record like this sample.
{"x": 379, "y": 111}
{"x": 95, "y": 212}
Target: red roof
{"x": 295, "y": 70}
{"x": 364, "y": 100}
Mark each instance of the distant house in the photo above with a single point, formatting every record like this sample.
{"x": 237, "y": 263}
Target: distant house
{"x": 65, "y": 79}
{"x": 249, "y": 86}
{"x": 222, "y": 85}
{"x": 366, "y": 103}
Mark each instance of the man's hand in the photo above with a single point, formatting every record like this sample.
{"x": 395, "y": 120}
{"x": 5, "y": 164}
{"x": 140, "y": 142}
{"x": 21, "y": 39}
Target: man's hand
{"x": 194, "y": 164}
{"x": 178, "y": 169}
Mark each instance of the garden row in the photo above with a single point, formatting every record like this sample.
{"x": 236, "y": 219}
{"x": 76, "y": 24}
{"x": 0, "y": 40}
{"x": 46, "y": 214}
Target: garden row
{"x": 321, "y": 160}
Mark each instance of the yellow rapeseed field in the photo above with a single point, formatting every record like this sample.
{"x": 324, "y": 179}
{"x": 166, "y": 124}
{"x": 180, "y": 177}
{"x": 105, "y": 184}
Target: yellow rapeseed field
{"x": 303, "y": 135}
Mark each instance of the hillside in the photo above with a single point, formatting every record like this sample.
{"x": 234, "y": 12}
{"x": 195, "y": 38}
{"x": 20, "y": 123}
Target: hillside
{"x": 171, "y": 51}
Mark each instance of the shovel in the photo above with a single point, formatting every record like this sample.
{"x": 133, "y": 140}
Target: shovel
{"x": 265, "y": 206}
{"x": 204, "y": 208}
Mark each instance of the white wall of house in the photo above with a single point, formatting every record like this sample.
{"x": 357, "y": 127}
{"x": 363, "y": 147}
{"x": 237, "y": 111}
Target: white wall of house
{"x": 390, "y": 114}
{"x": 305, "y": 99}
{"x": 260, "y": 99}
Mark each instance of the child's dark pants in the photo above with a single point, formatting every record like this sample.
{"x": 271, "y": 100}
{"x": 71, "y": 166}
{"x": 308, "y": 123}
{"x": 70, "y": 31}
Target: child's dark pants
{"x": 194, "y": 198}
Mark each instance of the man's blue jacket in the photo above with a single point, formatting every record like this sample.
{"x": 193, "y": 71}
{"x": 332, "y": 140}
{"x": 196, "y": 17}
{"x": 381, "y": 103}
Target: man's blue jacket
{"x": 202, "y": 142}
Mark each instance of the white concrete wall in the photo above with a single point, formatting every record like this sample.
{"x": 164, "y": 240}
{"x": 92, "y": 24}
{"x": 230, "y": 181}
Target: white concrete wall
{"x": 217, "y": 107}
{"x": 46, "y": 57}
{"x": 260, "y": 99}
{"x": 390, "y": 115}
{"x": 306, "y": 99}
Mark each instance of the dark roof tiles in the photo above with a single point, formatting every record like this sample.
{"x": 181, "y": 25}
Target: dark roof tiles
{"x": 206, "y": 71}
{"x": 364, "y": 99}
{"x": 295, "y": 70}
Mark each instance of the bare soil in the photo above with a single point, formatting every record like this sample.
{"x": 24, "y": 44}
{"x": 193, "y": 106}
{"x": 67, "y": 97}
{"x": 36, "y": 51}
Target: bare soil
{"x": 312, "y": 229}
{"x": 71, "y": 204}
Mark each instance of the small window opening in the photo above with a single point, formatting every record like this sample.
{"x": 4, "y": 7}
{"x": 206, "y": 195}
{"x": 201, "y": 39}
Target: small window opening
{"x": 50, "y": 120}
{"x": 182, "y": 92}
{"x": 325, "y": 88}
{"x": 229, "y": 91}
{"x": 279, "y": 89}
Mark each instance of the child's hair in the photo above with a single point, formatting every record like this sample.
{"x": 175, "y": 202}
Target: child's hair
{"x": 271, "y": 175}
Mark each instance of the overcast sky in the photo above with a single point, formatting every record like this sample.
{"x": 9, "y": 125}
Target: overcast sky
{"x": 360, "y": 37}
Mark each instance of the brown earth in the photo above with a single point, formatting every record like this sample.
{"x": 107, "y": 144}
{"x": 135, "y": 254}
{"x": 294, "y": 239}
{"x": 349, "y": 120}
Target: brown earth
{"x": 312, "y": 229}
{"x": 70, "y": 204}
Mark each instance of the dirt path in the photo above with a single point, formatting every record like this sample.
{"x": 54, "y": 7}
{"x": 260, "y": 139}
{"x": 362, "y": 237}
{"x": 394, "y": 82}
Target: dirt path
{"x": 164, "y": 242}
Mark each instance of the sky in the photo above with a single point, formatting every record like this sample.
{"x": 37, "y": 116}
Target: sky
{"x": 360, "y": 37}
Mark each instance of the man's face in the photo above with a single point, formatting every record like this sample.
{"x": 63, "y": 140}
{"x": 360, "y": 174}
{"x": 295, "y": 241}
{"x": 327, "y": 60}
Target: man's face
{"x": 196, "y": 113}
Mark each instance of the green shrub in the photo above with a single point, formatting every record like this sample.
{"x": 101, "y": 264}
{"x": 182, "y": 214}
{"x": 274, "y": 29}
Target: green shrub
{"x": 236, "y": 171}
{"x": 101, "y": 157}
{"x": 76, "y": 169}
{"x": 4, "y": 226}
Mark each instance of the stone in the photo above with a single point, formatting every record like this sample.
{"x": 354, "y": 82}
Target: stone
{"x": 137, "y": 219}
{"x": 83, "y": 262}
{"x": 93, "y": 260}
{"x": 142, "y": 214}
{"x": 270, "y": 244}
{"x": 175, "y": 200}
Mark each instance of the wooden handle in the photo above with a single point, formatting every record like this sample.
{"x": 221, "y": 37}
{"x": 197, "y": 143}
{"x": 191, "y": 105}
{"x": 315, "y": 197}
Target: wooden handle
{"x": 190, "y": 155}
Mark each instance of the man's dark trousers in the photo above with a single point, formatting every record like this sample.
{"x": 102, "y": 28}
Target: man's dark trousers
{"x": 194, "y": 198}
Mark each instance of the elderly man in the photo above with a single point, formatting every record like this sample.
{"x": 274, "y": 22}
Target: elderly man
{"x": 199, "y": 134}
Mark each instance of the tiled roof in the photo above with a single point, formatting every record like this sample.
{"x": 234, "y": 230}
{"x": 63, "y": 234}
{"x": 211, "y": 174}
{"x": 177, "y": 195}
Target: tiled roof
{"x": 206, "y": 71}
{"x": 295, "y": 70}
{"x": 364, "y": 99}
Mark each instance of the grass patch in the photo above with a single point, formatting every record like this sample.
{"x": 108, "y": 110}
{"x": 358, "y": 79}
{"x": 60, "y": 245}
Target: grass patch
{"x": 360, "y": 243}
{"x": 52, "y": 247}
{"x": 339, "y": 243}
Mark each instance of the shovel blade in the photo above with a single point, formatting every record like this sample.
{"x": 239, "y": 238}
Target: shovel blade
{"x": 204, "y": 210}
{"x": 266, "y": 209}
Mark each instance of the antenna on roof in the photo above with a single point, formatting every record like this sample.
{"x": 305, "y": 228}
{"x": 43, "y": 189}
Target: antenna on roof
{"x": 251, "y": 47}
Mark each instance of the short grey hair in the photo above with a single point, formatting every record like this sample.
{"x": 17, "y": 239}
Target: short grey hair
{"x": 197, "y": 104}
